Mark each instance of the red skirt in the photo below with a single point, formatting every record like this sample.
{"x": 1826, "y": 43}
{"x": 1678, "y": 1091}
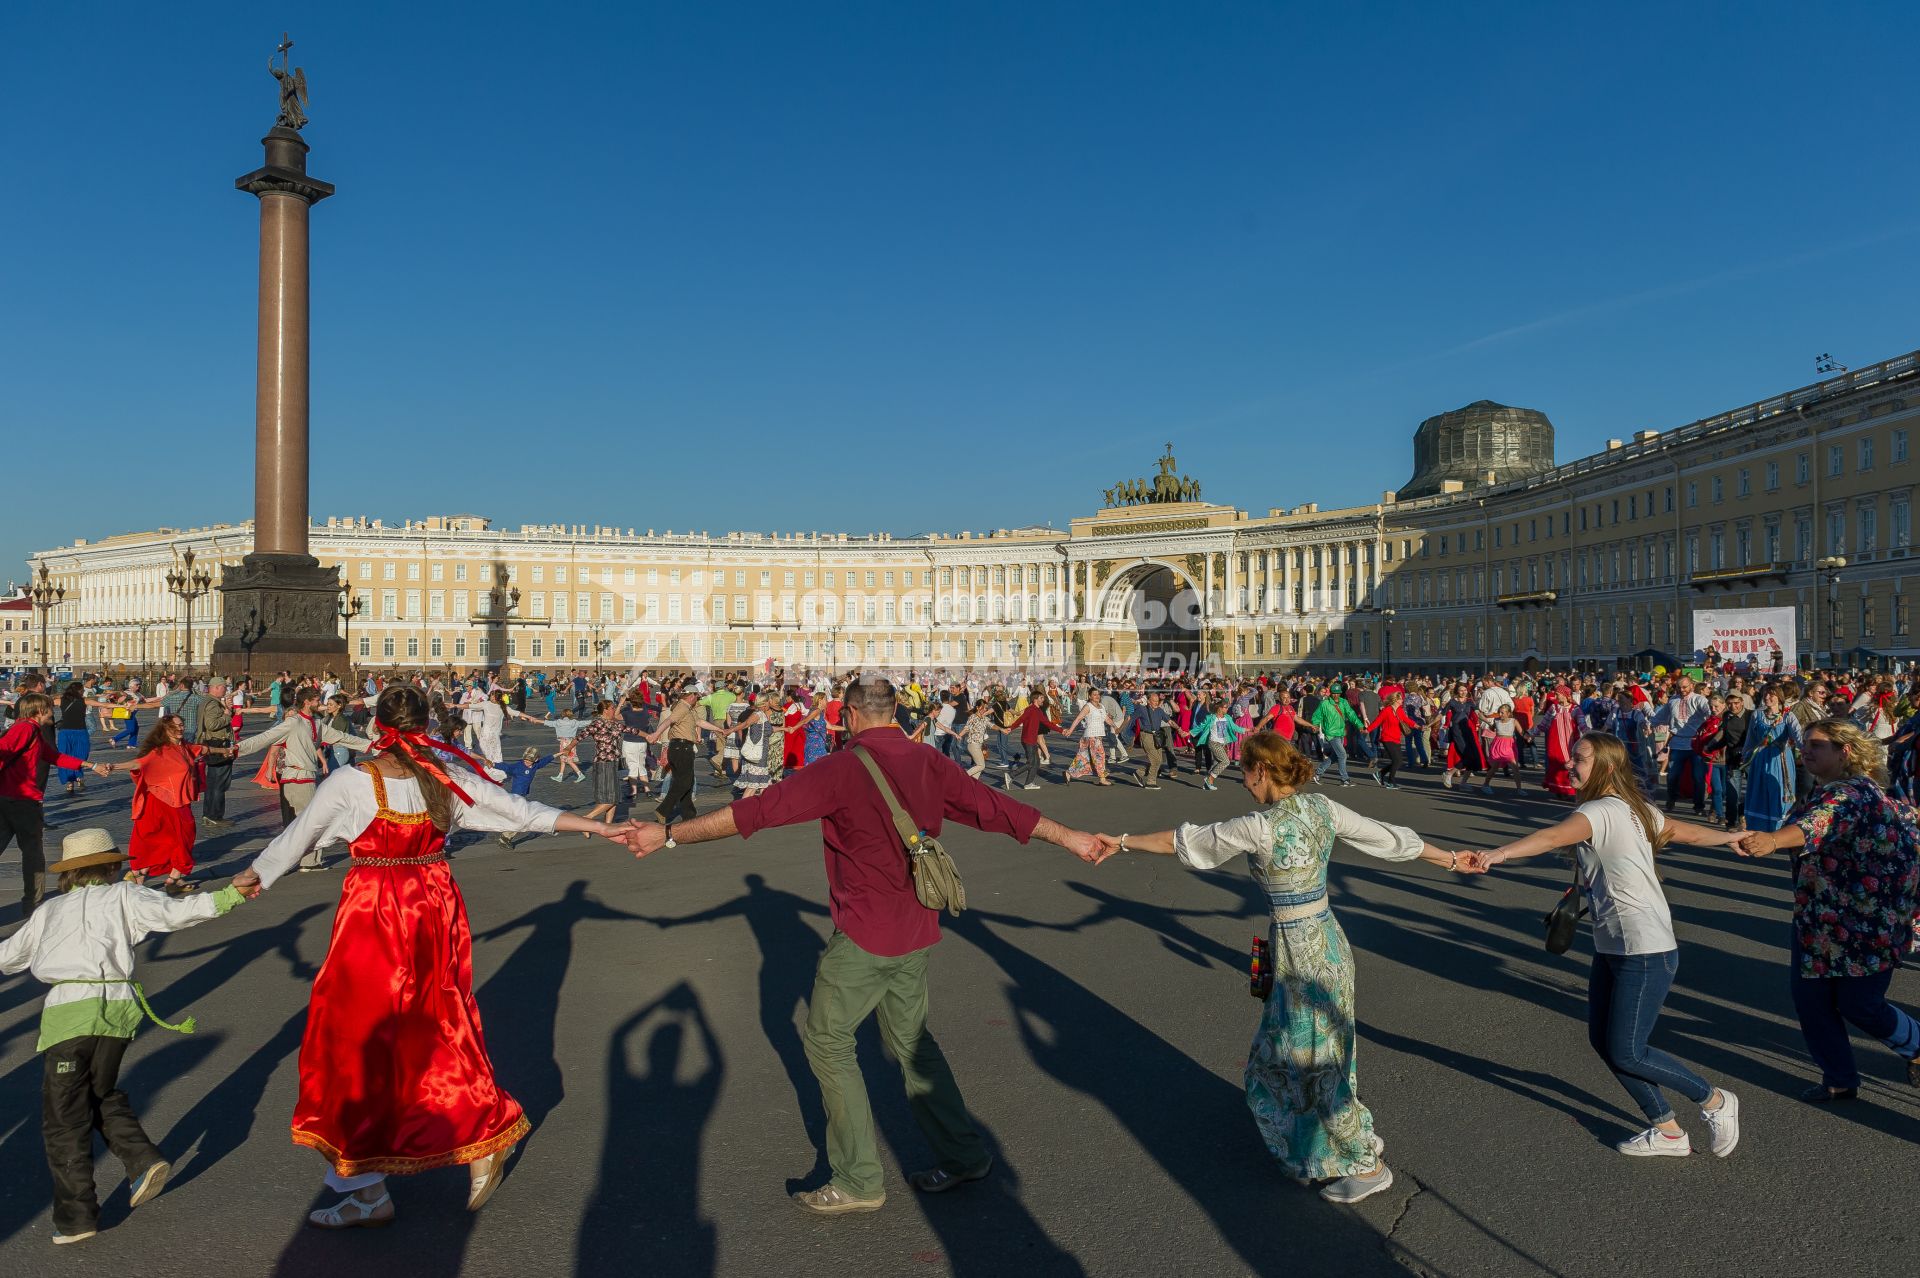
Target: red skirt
{"x": 162, "y": 839}
{"x": 394, "y": 1074}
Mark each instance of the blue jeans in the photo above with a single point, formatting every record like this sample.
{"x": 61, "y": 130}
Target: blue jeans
{"x": 1641, "y": 754}
{"x": 1826, "y": 1006}
{"x": 1624, "y": 995}
{"x": 128, "y": 735}
{"x": 1336, "y": 757}
{"x": 1417, "y": 746}
{"x": 1696, "y": 768}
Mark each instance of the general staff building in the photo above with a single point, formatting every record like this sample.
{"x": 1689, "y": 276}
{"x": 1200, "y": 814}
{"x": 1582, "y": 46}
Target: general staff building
{"x": 1490, "y": 555}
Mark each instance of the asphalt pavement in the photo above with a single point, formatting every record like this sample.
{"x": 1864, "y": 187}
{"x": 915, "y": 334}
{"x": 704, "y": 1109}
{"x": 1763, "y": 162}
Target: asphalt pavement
{"x": 647, "y": 1016}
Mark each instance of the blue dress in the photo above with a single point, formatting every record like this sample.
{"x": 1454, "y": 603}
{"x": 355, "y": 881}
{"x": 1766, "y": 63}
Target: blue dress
{"x": 1769, "y": 754}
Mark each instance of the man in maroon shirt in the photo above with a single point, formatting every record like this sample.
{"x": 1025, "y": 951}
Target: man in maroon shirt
{"x": 876, "y": 960}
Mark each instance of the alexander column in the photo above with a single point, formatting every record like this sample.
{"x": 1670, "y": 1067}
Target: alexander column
{"x": 278, "y": 605}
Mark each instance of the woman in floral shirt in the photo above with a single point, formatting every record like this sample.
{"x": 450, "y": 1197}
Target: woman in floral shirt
{"x": 1856, "y": 877}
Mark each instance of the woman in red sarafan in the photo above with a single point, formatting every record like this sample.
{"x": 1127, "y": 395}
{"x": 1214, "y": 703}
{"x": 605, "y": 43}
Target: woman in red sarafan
{"x": 167, "y": 779}
{"x": 1558, "y": 726}
{"x": 394, "y": 1072}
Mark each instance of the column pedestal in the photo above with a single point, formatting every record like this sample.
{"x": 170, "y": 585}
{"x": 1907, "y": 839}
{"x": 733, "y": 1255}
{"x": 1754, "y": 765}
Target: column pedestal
{"x": 279, "y": 612}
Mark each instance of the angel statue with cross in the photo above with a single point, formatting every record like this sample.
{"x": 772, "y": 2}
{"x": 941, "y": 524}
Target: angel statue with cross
{"x": 293, "y": 88}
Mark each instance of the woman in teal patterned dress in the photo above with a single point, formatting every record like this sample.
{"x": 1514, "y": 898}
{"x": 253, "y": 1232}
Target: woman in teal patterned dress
{"x": 1302, "y": 1082}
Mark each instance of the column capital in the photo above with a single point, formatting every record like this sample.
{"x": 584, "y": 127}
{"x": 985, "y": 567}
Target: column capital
{"x": 285, "y": 170}
{"x": 273, "y": 180}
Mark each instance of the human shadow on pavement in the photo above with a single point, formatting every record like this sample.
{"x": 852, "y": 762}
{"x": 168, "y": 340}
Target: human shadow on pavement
{"x": 644, "y": 1213}
{"x": 985, "y": 1228}
{"x": 1187, "y": 1118}
{"x": 241, "y": 951}
{"x": 790, "y": 950}
{"x": 1163, "y": 921}
{"x": 222, "y": 1119}
{"x": 520, "y": 1000}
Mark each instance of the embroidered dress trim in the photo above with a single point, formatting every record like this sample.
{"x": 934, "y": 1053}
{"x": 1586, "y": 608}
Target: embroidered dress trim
{"x": 406, "y": 1166}
{"x": 384, "y": 862}
{"x": 385, "y": 813}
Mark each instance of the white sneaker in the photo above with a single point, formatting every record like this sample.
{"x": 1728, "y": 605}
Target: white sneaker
{"x": 1351, "y": 1189}
{"x": 1724, "y": 1123}
{"x": 1654, "y": 1143}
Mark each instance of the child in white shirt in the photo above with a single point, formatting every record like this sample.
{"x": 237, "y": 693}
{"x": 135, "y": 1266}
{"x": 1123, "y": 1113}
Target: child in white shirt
{"x": 81, "y": 943}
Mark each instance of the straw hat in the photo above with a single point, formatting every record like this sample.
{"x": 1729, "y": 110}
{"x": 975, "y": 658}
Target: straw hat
{"x": 84, "y": 849}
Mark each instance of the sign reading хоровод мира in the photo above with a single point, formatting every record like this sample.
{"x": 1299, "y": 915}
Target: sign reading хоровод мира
{"x": 1748, "y": 636}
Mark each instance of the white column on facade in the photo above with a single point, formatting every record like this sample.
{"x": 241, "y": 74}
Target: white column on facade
{"x": 1232, "y": 579}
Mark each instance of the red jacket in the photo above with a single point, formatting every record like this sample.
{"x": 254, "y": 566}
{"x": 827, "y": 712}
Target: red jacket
{"x": 1392, "y": 724}
{"x": 21, "y": 749}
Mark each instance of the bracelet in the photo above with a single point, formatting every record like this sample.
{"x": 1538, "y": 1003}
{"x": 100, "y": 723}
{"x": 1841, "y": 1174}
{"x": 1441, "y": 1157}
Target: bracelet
{"x": 1453, "y": 860}
{"x": 1123, "y": 843}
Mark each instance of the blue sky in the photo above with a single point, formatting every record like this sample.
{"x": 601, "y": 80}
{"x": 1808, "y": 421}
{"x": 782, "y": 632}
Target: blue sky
{"x": 685, "y": 265}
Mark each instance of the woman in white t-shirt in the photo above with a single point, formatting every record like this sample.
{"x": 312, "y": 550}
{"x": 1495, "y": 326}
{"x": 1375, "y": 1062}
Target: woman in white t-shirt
{"x": 1615, "y": 833}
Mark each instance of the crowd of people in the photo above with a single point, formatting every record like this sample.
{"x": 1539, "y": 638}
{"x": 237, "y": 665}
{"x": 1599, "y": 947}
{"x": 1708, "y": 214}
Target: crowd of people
{"x": 390, "y": 764}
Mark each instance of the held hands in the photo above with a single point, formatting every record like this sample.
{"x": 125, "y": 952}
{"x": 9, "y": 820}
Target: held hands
{"x": 1751, "y": 843}
{"x": 1469, "y": 862}
{"x": 102, "y": 769}
{"x": 247, "y": 883}
{"x": 642, "y": 837}
{"x": 1091, "y": 848}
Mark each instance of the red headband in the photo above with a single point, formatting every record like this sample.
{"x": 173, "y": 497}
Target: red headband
{"x": 404, "y": 742}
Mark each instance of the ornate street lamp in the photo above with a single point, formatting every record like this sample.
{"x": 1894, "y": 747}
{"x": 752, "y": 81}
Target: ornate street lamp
{"x": 143, "y": 627}
{"x": 1386, "y": 649}
{"x": 46, "y": 597}
{"x": 1832, "y": 567}
{"x": 600, "y": 646}
{"x": 186, "y": 583}
{"x": 351, "y": 606}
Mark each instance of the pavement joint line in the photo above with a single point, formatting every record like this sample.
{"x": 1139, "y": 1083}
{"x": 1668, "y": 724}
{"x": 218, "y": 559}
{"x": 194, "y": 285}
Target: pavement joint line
{"x": 1395, "y": 1250}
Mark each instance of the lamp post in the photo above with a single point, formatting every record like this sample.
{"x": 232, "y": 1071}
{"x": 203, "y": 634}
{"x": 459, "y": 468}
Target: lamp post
{"x": 596, "y": 628}
{"x": 833, "y": 648}
{"x": 1831, "y": 567}
{"x": 143, "y": 627}
{"x": 351, "y": 605}
{"x": 1386, "y": 641}
{"x": 505, "y": 601}
{"x": 46, "y": 597}
{"x": 1033, "y": 642}
{"x": 186, "y": 583}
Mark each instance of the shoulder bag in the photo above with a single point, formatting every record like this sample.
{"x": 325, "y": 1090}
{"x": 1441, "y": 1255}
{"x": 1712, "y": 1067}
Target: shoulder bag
{"x": 936, "y": 881}
{"x": 1563, "y": 920}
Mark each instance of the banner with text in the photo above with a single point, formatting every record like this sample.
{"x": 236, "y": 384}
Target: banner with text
{"x": 1748, "y": 636}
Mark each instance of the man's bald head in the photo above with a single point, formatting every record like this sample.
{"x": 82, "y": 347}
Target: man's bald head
{"x": 872, "y": 698}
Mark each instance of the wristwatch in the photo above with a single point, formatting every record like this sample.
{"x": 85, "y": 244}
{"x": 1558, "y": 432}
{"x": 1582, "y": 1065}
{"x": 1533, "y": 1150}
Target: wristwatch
{"x": 670, "y": 843}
